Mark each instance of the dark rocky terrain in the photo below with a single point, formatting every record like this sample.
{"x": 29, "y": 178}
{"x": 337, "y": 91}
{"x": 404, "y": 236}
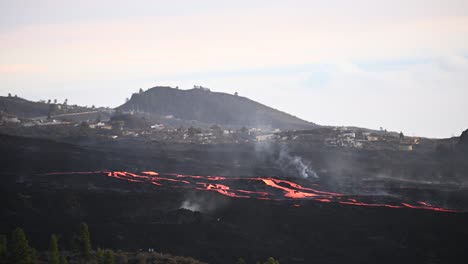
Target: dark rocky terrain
{"x": 306, "y": 194}
{"x": 133, "y": 216}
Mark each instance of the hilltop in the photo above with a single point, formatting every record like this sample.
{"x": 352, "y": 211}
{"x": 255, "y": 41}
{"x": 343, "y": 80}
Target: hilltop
{"x": 23, "y": 108}
{"x": 13, "y": 106}
{"x": 204, "y": 106}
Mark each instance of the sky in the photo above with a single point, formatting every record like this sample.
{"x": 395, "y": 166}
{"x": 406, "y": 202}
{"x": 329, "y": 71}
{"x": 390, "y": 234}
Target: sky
{"x": 401, "y": 65}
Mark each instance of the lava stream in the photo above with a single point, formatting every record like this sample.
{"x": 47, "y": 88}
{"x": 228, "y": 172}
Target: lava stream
{"x": 261, "y": 188}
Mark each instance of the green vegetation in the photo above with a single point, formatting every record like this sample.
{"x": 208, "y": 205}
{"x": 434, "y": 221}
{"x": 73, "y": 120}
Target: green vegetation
{"x": 53, "y": 250}
{"x": 21, "y": 253}
{"x": 105, "y": 256}
{"x": 240, "y": 261}
{"x": 100, "y": 255}
{"x": 34, "y": 256}
{"x": 63, "y": 259}
{"x": 271, "y": 260}
{"x": 109, "y": 257}
{"x": 84, "y": 242}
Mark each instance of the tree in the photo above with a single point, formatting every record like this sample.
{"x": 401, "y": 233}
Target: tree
{"x": 65, "y": 102}
{"x": 53, "y": 250}
{"x": 271, "y": 260}
{"x": 63, "y": 259}
{"x": 126, "y": 99}
{"x": 100, "y": 256}
{"x": 3, "y": 247}
{"x": 217, "y": 130}
{"x": 21, "y": 253}
{"x": 191, "y": 131}
{"x": 84, "y": 125}
{"x": 140, "y": 91}
{"x": 240, "y": 261}
{"x": 85, "y": 242}
{"x": 49, "y": 101}
{"x": 109, "y": 257}
{"x": 51, "y": 110}
{"x": 34, "y": 256}
{"x": 9, "y": 94}
{"x": 105, "y": 256}
{"x": 236, "y": 93}
{"x": 55, "y": 101}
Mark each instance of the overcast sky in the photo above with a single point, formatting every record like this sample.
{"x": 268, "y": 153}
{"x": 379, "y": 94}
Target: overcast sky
{"x": 401, "y": 64}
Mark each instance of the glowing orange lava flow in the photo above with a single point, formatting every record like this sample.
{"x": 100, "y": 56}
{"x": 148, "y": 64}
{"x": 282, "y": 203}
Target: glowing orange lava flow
{"x": 262, "y": 188}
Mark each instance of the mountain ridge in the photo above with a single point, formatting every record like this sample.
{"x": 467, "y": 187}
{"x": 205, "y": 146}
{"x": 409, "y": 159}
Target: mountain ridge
{"x": 206, "y": 106}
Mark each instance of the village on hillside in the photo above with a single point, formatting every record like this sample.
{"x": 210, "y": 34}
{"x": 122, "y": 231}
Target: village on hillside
{"x": 67, "y": 121}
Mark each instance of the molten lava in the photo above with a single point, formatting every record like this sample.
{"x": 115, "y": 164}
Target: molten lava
{"x": 261, "y": 188}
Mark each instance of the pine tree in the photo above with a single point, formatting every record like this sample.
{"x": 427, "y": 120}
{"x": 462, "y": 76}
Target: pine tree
{"x": 21, "y": 253}
{"x": 34, "y": 255}
{"x": 100, "y": 256}
{"x": 271, "y": 260}
{"x": 85, "y": 242}
{"x": 105, "y": 256}
{"x": 63, "y": 259}
{"x": 240, "y": 261}
{"x": 53, "y": 250}
{"x": 109, "y": 257}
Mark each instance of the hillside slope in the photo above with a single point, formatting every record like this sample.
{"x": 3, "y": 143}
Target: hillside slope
{"x": 212, "y": 108}
{"x": 23, "y": 108}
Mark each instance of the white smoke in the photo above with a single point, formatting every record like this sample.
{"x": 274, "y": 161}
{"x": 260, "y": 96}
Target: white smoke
{"x": 189, "y": 205}
{"x": 288, "y": 162}
{"x": 202, "y": 203}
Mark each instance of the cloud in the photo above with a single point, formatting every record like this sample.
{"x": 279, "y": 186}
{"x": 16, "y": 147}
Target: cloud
{"x": 396, "y": 64}
{"x": 194, "y": 43}
{"x": 422, "y": 97}
{"x": 20, "y": 68}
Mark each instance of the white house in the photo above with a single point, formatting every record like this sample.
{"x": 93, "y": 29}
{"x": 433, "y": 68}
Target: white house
{"x": 264, "y": 137}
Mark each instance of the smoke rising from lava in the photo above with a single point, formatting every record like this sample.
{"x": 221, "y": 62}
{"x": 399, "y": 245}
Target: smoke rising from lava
{"x": 189, "y": 205}
{"x": 194, "y": 202}
{"x": 287, "y": 161}
{"x": 292, "y": 165}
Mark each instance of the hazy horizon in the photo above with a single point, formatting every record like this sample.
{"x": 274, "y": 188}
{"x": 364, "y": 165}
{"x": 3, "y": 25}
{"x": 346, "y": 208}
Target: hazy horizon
{"x": 400, "y": 65}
